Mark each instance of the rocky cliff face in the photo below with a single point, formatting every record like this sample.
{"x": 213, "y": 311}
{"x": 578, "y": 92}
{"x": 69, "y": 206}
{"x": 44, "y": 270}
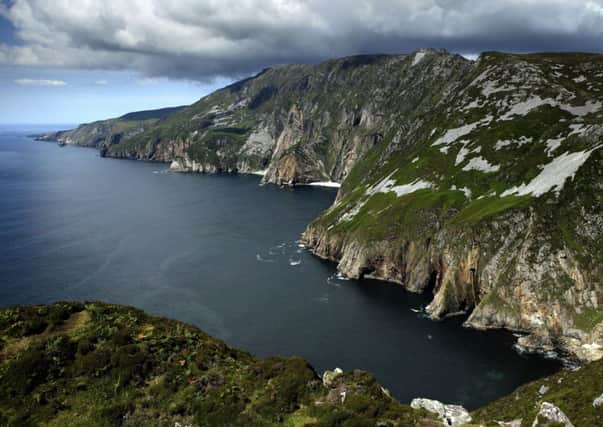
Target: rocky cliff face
{"x": 301, "y": 123}
{"x": 492, "y": 201}
{"x": 478, "y": 181}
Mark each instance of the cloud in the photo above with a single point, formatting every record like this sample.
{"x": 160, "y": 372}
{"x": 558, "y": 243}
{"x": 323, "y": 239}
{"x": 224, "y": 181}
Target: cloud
{"x": 40, "y": 82}
{"x": 148, "y": 81}
{"x": 101, "y": 82}
{"x": 200, "y": 40}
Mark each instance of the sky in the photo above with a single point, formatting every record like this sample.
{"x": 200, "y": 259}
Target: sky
{"x": 73, "y": 61}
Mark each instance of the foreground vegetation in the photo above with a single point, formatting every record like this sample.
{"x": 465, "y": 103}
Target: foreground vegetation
{"x": 96, "y": 364}
{"x": 574, "y": 391}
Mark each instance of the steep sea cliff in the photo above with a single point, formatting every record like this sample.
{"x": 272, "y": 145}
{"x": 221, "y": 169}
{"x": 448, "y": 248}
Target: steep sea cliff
{"x": 479, "y": 182}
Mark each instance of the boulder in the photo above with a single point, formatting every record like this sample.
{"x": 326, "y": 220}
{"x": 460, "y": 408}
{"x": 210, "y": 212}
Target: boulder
{"x": 328, "y": 377}
{"x": 451, "y": 415}
{"x": 550, "y": 414}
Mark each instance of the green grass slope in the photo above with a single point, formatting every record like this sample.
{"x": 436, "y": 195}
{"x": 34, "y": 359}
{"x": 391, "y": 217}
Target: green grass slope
{"x": 94, "y": 364}
{"x": 97, "y": 364}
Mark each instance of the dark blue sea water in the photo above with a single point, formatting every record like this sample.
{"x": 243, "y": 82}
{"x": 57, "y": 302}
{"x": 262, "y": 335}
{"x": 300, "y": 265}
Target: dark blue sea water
{"x": 220, "y": 252}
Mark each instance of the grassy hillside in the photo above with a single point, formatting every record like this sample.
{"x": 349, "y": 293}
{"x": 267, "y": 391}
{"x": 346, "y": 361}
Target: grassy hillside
{"x": 160, "y": 113}
{"x": 96, "y": 364}
{"x": 573, "y": 391}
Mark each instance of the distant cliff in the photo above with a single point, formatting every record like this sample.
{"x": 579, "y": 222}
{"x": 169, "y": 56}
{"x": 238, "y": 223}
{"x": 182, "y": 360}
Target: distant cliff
{"x": 100, "y": 364}
{"x": 480, "y": 182}
{"x": 104, "y": 133}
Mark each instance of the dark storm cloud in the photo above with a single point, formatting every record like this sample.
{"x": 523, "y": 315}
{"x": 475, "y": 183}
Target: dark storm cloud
{"x": 202, "y": 39}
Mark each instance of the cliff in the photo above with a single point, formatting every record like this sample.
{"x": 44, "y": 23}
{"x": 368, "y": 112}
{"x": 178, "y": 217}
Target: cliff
{"x": 492, "y": 202}
{"x": 104, "y": 133}
{"x": 477, "y": 181}
{"x": 101, "y": 364}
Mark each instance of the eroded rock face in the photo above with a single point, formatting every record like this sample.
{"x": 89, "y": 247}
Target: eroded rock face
{"x": 451, "y": 415}
{"x": 328, "y": 377}
{"x": 504, "y": 228}
{"x": 550, "y": 415}
{"x": 501, "y": 288}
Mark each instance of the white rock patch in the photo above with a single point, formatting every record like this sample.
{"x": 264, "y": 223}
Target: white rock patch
{"x": 481, "y": 77}
{"x": 519, "y": 142}
{"x": 465, "y": 190}
{"x": 328, "y": 377}
{"x": 418, "y": 57}
{"x": 481, "y": 164}
{"x": 524, "y": 107}
{"x": 452, "y": 135}
{"x": 215, "y": 109}
{"x": 330, "y": 184}
{"x": 553, "y": 175}
{"x": 387, "y": 185}
{"x": 175, "y": 166}
{"x": 451, "y": 415}
{"x": 503, "y": 143}
{"x": 553, "y": 144}
{"x": 460, "y": 157}
{"x": 382, "y": 185}
{"x": 490, "y": 87}
{"x": 552, "y": 413}
{"x": 577, "y": 129}
{"x": 473, "y": 104}
{"x": 403, "y": 189}
{"x": 349, "y": 215}
{"x": 582, "y": 110}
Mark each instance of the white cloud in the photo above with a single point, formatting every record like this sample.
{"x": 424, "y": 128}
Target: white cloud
{"x": 101, "y": 82}
{"x": 40, "y": 82}
{"x": 148, "y": 81}
{"x": 202, "y": 39}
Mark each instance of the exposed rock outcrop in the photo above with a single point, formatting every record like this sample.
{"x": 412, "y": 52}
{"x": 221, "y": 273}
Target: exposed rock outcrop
{"x": 451, "y": 415}
{"x": 550, "y": 415}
